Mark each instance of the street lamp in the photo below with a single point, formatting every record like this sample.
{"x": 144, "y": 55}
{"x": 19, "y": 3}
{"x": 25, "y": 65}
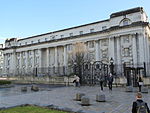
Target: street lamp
{"x": 111, "y": 66}
{"x": 92, "y": 71}
{"x": 75, "y": 67}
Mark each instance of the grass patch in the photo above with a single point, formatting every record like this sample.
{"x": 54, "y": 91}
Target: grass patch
{"x": 4, "y": 82}
{"x": 30, "y": 109}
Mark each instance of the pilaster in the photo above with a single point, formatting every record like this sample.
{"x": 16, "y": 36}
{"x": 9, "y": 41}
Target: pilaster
{"x": 97, "y": 50}
{"x": 134, "y": 49}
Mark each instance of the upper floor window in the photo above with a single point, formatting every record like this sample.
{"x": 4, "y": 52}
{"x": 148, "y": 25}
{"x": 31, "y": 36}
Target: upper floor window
{"x": 104, "y": 27}
{"x": 125, "y": 22}
{"x": 71, "y": 34}
{"x": 39, "y": 40}
{"x": 81, "y": 32}
{"x": 91, "y": 30}
{"x": 69, "y": 47}
{"x": 62, "y": 36}
{"x": 20, "y": 44}
{"x": 45, "y": 39}
{"x": 25, "y": 43}
{"x": 91, "y": 44}
{"x": 31, "y": 42}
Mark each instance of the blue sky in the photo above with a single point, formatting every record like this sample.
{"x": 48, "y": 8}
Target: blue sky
{"x": 24, "y": 18}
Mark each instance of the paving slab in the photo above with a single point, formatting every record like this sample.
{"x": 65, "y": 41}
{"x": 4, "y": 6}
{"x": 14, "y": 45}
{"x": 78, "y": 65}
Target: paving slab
{"x": 117, "y": 100}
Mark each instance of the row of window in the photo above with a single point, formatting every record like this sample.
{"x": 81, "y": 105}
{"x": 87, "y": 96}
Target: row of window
{"x": 62, "y": 36}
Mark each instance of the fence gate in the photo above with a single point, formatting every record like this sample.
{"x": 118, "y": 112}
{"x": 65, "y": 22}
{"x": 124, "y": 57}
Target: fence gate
{"x": 92, "y": 72}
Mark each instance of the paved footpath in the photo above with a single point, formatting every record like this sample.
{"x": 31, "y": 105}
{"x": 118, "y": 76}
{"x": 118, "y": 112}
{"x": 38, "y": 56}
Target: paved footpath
{"x": 117, "y": 101}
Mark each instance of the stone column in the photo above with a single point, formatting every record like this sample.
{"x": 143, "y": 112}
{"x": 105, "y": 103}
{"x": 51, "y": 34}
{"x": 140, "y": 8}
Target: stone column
{"x": 97, "y": 50}
{"x": 65, "y": 55}
{"x": 141, "y": 48}
{"x": 47, "y": 53}
{"x": 14, "y": 62}
{"x": 118, "y": 51}
{"x": 33, "y": 57}
{"x": 100, "y": 56}
{"x": 26, "y": 54}
{"x": 134, "y": 49}
{"x": 111, "y": 48}
{"x": 4, "y": 64}
{"x": 56, "y": 62}
{"x": 40, "y": 57}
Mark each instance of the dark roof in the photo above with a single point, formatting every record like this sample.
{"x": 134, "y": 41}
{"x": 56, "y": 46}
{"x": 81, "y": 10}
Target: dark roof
{"x": 125, "y": 12}
{"x": 65, "y": 29}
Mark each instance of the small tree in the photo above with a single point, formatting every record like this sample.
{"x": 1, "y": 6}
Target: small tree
{"x": 77, "y": 57}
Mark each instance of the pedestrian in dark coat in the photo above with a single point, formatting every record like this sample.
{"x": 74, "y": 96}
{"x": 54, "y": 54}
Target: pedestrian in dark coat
{"x": 110, "y": 81}
{"x": 140, "y": 83}
{"x": 139, "y": 103}
{"x": 101, "y": 81}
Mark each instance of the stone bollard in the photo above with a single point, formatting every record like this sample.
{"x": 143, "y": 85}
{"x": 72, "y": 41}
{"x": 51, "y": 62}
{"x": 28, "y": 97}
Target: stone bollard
{"x": 85, "y": 101}
{"x": 34, "y": 88}
{"x": 129, "y": 89}
{"x": 100, "y": 98}
{"x": 24, "y": 89}
{"x": 144, "y": 89}
{"x": 79, "y": 96}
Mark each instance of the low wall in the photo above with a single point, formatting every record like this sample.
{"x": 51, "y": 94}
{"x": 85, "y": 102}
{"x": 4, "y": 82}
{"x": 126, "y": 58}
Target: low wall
{"x": 119, "y": 81}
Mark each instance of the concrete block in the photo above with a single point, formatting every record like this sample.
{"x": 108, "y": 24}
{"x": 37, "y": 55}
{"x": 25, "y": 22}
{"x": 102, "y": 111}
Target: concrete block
{"x": 24, "y": 89}
{"x": 34, "y": 88}
{"x": 79, "y": 96}
{"x": 129, "y": 89}
{"x": 85, "y": 101}
{"x": 100, "y": 98}
{"x": 144, "y": 89}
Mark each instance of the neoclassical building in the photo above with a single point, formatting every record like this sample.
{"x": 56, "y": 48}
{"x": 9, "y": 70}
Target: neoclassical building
{"x": 124, "y": 36}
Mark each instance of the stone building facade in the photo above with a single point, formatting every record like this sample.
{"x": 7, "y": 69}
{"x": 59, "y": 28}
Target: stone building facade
{"x": 125, "y": 37}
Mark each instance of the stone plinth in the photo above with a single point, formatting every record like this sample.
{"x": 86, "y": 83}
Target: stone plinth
{"x": 79, "y": 96}
{"x": 34, "y": 88}
{"x": 144, "y": 89}
{"x": 129, "y": 89}
{"x": 24, "y": 89}
{"x": 85, "y": 101}
{"x": 100, "y": 98}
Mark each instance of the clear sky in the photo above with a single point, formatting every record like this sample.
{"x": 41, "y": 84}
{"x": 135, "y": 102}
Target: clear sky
{"x": 24, "y": 18}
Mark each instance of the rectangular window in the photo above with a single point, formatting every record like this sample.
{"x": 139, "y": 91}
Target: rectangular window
{"x": 39, "y": 40}
{"x": 62, "y": 36}
{"x": 25, "y": 43}
{"x": 81, "y": 32}
{"x": 126, "y": 52}
{"x": 104, "y": 27}
{"x": 31, "y": 42}
{"x": 91, "y": 44}
{"x": 91, "y": 30}
{"x": 71, "y": 34}
{"x": 69, "y": 47}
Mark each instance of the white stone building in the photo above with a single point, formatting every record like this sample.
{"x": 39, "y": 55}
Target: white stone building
{"x": 125, "y": 37}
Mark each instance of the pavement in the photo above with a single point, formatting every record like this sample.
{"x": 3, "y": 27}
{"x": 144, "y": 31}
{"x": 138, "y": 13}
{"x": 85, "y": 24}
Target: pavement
{"x": 117, "y": 100}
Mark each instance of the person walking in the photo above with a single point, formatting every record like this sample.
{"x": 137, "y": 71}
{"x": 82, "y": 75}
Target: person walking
{"x": 110, "y": 81}
{"x": 101, "y": 82}
{"x": 140, "y": 83}
{"x": 139, "y": 106}
{"x": 77, "y": 81}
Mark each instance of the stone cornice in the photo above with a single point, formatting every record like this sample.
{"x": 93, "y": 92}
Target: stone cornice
{"x": 140, "y": 23}
{"x": 129, "y": 11}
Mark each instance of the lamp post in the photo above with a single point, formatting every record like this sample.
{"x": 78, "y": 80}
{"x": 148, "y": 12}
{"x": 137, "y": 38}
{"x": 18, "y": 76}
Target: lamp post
{"x": 75, "y": 64}
{"x": 111, "y": 66}
{"x": 92, "y": 71}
